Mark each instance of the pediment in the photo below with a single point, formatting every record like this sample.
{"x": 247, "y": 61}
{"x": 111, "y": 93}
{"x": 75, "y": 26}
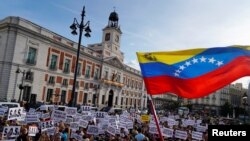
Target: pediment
{"x": 114, "y": 61}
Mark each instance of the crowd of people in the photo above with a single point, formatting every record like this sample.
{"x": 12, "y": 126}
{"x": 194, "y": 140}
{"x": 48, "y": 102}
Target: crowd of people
{"x": 141, "y": 130}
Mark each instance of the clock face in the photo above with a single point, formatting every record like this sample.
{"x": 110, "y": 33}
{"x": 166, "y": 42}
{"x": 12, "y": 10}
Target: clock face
{"x": 117, "y": 38}
{"x": 107, "y": 37}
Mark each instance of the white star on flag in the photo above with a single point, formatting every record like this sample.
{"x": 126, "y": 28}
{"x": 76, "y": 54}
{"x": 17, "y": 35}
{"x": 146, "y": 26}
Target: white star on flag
{"x": 182, "y": 67}
{"x": 203, "y": 59}
{"x": 195, "y": 60}
{"x": 187, "y": 63}
{"x": 219, "y": 63}
{"x": 177, "y": 71}
{"x": 176, "y": 74}
{"x": 211, "y": 60}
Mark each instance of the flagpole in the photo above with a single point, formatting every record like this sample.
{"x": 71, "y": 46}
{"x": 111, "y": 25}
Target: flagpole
{"x": 155, "y": 117}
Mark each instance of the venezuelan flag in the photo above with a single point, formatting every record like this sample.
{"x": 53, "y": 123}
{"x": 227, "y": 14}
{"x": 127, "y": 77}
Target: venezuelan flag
{"x": 193, "y": 73}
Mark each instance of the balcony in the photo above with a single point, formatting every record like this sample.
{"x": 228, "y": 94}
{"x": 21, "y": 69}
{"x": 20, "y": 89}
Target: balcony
{"x": 112, "y": 82}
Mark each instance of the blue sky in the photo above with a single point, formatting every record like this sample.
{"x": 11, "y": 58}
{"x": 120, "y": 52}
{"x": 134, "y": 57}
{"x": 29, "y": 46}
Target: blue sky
{"x": 147, "y": 25}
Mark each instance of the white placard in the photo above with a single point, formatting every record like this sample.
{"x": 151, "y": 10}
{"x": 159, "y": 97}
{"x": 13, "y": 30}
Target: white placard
{"x": 85, "y": 108}
{"x": 32, "y": 131}
{"x": 51, "y": 131}
{"x": 32, "y": 110}
{"x": 2, "y": 112}
{"x": 167, "y": 132}
{"x": 11, "y": 131}
{"x": 83, "y": 123}
{"x": 76, "y": 136}
{"x": 74, "y": 125}
{"x": 71, "y": 111}
{"x": 76, "y": 118}
{"x": 15, "y": 113}
{"x": 181, "y": 134}
{"x": 59, "y": 115}
{"x": 197, "y": 135}
{"x": 112, "y": 120}
{"x": 69, "y": 120}
{"x": 153, "y": 130}
{"x": 130, "y": 125}
{"x": 189, "y": 122}
{"x": 45, "y": 115}
{"x": 100, "y": 114}
{"x": 32, "y": 118}
{"x": 201, "y": 128}
{"x": 47, "y": 125}
{"x": 92, "y": 130}
{"x": 171, "y": 122}
{"x": 111, "y": 130}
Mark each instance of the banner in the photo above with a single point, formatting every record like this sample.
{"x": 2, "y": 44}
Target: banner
{"x": 15, "y": 113}
{"x": 47, "y": 125}
{"x": 59, "y": 115}
{"x": 167, "y": 132}
{"x": 197, "y": 135}
{"x": 32, "y": 131}
{"x": 71, "y": 111}
{"x": 92, "y": 130}
{"x": 11, "y": 131}
{"x": 181, "y": 134}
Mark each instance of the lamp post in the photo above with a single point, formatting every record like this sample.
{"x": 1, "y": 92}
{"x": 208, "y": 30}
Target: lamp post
{"x": 244, "y": 99}
{"x": 20, "y": 86}
{"x": 81, "y": 27}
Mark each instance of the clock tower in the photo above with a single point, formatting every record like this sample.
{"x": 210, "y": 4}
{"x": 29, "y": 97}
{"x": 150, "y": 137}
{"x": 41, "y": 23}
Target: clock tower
{"x": 111, "y": 37}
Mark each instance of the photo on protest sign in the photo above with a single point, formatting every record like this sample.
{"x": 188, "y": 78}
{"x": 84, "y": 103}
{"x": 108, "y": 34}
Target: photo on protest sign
{"x": 69, "y": 120}
{"x": 111, "y": 130}
{"x": 74, "y": 126}
{"x": 92, "y": 130}
{"x": 181, "y": 134}
{"x": 15, "y": 113}
{"x": 71, "y": 111}
{"x": 32, "y": 131}
{"x": 11, "y": 131}
{"x": 46, "y": 125}
{"x": 83, "y": 123}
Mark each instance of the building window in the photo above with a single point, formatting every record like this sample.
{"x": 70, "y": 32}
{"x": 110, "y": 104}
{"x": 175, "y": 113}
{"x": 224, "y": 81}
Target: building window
{"x": 77, "y": 84}
{"x": 85, "y": 98}
{"x": 66, "y": 66}
{"x": 118, "y": 78}
{"x": 26, "y": 93}
{"x": 103, "y": 99}
{"x": 53, "y": 62}
{"x": 86, "y": 86}
{"x": 87, "y": 75}
{"x": 116, "y": 100}
{"x": 124, "y": 79}
{"x": 79, "y": 69}
{"x": 122, "y": 101}
{"x": 96, "y": 75}
{"x": 29, "y": 76}
{"x": 65, "y": 82}
{"x": 51, "y": 80}
{"x": 49, "y": 95}
{"x": 107, "y": 37}
{"x": 31, "y": 59}
{"x": 106, "y": 75}
{"x": 63, "y": 96}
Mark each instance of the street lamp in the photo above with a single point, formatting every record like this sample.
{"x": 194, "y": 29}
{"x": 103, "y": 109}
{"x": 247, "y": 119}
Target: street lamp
{"x": 81, "y": 27}
{"x": 20, "y": 86}
{"x": 244, "y": 99}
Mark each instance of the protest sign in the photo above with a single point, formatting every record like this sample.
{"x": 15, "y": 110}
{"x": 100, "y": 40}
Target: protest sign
{"x": 71, "y": 111}
{"x": 189, "y": 122}
{"x": 153, "y": 130}
{"x": 32, "y": 118}
{"x": 171, "y": 122}
{"x": 92, "y": 130}
{"x": 32, "y": 131}
{"x": 145, "y": 118}
{"x": 74, "y": 125}
{"x": 87, "y": 118}
{"x": 15, "y": 113}
{"x": 2, "y": 112}
{"x": 11, "y": 131}
{"x": 76, "y": 136}
{"x": 45, "y": 115}
{"x": 46, "y": 125}
{"x": 51, "y": 131}
{"x": 85, "y": 108}
{"x": 100, "y": 114}
{"x": 76, "y": 118}
{"x": 111, "y": 130}
{"x": 181, "y": 134}
{"x": 197, "y": 135}
{"x": 130, "y": 125}
{"x": 201, "y": 128}
{"x": 83, "y": 123}
{"x": 167, "y": 132}
{"x": 69, "y": 120}
{"x": 59, "y": 115}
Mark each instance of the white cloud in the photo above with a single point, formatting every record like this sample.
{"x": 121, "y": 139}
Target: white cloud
{"x": 133, "y": 64}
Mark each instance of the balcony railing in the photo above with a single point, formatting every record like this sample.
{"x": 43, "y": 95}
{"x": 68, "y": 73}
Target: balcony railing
{"x": 30, "y": 61}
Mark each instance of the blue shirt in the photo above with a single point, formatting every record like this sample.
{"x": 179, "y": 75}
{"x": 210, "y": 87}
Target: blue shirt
{"x": 139, "y": 137}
